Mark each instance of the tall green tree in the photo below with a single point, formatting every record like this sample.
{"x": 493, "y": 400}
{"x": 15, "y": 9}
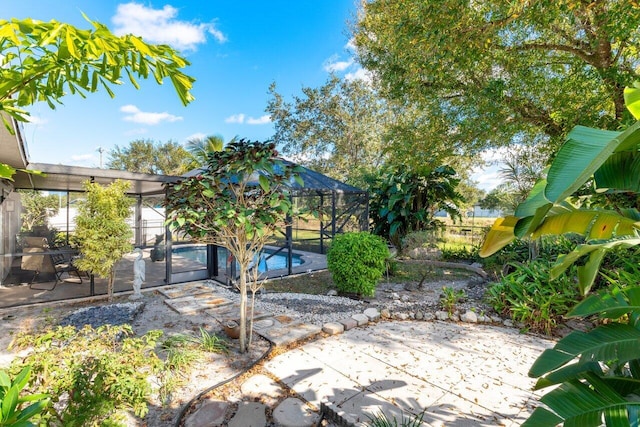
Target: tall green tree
{"x": 200, "y": 148}
{"x": 44, "y": 61}
{"x": 147, "y": 156}
{"x": 238, "y": 202}
{"x": 37, "y": 208}
{"x": 489, "y": 73}
{"x": 336, "y": 129}
{"x": 102, "y": 232}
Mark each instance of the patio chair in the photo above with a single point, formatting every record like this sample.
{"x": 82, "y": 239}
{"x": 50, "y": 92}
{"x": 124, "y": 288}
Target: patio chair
{"x": 62, "y": 261}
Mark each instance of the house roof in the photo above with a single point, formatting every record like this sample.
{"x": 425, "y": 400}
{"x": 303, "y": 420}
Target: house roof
{"x": 71, "y": 178}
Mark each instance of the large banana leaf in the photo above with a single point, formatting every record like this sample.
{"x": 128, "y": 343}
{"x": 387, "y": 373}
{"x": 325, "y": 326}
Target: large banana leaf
{"x": 616, "y": 341}
{"x": 611, "y": 303}
{"x": 500, "y": 235}
{"x": 621, "y": 173}
{"x": 632, "y": 99}
{"x": 585, "y": 404}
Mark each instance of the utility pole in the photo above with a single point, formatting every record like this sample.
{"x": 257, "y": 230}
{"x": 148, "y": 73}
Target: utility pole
{"x": 100, "y": 150}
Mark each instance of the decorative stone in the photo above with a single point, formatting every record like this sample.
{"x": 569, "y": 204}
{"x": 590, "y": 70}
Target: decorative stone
{"x": 293, "y": 412}
{"x": 495, "y": 319}
{"x": 508, "y": 323}
{"x": 263, "y": 388}
{"x": 332, "y": 293}
{"x": 469, "y": 317}
{"x": 210, "y": 412}
{"x": 372, "y": 313}
{"x": 401, "y": 316}
{"x": 361, "y": 319}
{"x": 333, "y": 328}
{"x": 419, "y": 315}
{"x": 349, "y": 323}
{"x": 395, "y": 295}
{"x": 249, "y": 414}
{"x": 429, "y": 316}
{"x": 442, "y": 315}
{"x": 405, "y": 298}
{"x": 385, "y": 313}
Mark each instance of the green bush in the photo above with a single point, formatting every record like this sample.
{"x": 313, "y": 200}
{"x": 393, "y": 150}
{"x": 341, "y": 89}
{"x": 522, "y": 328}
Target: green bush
{"x": 527, "y": 295}
{"x": 92, "y": 375}
{"x": 13, "y": 401}
{"x": 357, "y": 261}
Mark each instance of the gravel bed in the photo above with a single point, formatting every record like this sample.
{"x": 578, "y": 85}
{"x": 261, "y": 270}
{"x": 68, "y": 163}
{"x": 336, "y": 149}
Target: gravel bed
{"x": 114, "y": 314}
{"x": 316, "y": 309}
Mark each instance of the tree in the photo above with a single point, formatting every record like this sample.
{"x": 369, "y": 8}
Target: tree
{"x": 403, "y": 201}
{"x": 102, "y": 232}
{"x": 37, "y": 208}
{"x": 239, "y": 201}
{"x": 597, "y": 373}
{"x": 146, "y": 156}
{"x": 200, "y": 148}
{"x": 336, "y": 129}
{"x": 487, "y": 74}
{"x": 44, "y": 61}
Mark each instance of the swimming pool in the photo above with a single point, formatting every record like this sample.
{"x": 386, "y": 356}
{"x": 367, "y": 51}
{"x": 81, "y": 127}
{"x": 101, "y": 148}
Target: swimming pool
{"x": 273, "y": 262}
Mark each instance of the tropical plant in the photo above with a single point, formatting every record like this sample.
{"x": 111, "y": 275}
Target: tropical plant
{"x": 44, "y": 61}
{"x": 238, "y": 201}
{"x": 102, "y": 232}
{"x": 403, "y": 201}
{"x": 528, "y": 296}
{"x": 37, "y": 209}
{"x": 450, "y": 298}
{"x": 383, "y": 420}
{"x": 357, "y": 262}
{"x": 199, "y": 148}
{"x": 597, "y": 373}
{"x": 12, "y": 400}
{"x": 92, "y": 375}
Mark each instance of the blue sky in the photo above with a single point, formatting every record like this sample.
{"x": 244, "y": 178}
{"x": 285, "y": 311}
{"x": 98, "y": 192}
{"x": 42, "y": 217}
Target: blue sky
{"x": 236, "y": 48}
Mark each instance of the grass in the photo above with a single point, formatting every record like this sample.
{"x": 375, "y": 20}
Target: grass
{"x": 320, "y": 282}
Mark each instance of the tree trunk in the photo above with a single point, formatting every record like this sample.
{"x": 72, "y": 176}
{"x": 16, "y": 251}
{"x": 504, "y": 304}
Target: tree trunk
{"x": 243, "y": 307}
{"x": 110, "y": 281}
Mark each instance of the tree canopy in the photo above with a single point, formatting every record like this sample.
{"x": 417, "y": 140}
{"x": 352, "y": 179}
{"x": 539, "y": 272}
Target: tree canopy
{"x": 336, "y": 129}
{"x": 44, "y": 61}
{"x": 496, "y": 72}
{"x": 147, "y": 156}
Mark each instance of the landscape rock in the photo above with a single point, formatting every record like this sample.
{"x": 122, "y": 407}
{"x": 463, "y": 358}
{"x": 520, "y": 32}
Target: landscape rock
{"x": 361, "y": 319}
{"x": 419, "y": 315}
{"x": 210, "y": 412}
{"x": 469, "y": 317}
{"x": 293, "y": 412}
{"x": 429, "y": 316}
{"x": 332, "y": 328}
{"x": 508, "y": 323}
{"x": 401, "y": 316}
{"x": 442, "y": 315}
{"x": 372, "y": 313}
{"x": 249, "y": 414}
{"x": 332, "y": 293}
{"x": 349, "y": 323}
{"x": 385, "y": 313}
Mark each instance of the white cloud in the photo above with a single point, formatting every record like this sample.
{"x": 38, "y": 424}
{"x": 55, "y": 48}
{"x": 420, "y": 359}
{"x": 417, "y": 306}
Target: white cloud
{"x": 161, "y": 26}
{"x": 236, "y": 118}
{"x": 332, "y": 64}
{"x": 137, "y": 116}
{"x": 359, "y": 74}
{"x": 242, "y": 118}
{"x": 263, "y": 120}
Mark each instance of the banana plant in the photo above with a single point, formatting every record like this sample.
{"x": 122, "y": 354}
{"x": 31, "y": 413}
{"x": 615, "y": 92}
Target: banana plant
{"x": 595, "y": 375}
{"x": 611, "y": 159}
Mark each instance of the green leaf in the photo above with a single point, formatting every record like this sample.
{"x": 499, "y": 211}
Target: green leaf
{"x": 632, "y": 99}
{"x": 264, "y": 183}
{"x": 608, "y": 342}
{"x": 6, "y": 171}
{"x": 611, "y": 303}
{"x": 542, "y": 417}
{"x": 500, "y": 235}
{"x": 9, "y": 403}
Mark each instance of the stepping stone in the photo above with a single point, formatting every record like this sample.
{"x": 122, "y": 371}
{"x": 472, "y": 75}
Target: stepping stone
{"x": 212, "y": 301}
{"x": 249, "y": 414}
{"x": 361, "y": 319}
{"x": 332, "y": 328}
{"x": 183, "y": 305}
{"x": 232, "y": 312}
{"x": 190, "y": 289}
{"x": 372, "y": 313}
{"x": 263, "y": 388}
{"x": 288, "y": 334}
{"x": 209, "y": 412}
{"x": 349, "y": 323}
{"x": 293, "y": 412}
{"x": 263, "y": 324}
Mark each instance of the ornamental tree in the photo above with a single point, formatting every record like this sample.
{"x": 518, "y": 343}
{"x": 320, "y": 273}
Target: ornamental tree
{"x": 238, "y": 201}
{"x": 44, "y": 61}
{"x": 102, "y": 232}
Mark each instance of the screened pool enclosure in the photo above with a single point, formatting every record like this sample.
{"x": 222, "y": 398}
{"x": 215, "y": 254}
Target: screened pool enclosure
{"x": 37, "y": 214}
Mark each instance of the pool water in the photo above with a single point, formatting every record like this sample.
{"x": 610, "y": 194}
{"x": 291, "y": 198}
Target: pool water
{"x": 275, "y": 262}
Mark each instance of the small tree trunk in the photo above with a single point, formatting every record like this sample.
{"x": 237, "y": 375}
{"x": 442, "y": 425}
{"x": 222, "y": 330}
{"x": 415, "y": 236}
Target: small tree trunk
{"x": 111, "y": 280}
{"x": 243, "y": 307}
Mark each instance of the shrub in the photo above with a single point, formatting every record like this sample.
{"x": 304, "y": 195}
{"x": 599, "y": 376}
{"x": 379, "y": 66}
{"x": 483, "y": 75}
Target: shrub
{"x": 13, "y": 400}
{"x": 92, "y": 375}
{"x": 528, "y": 295}
{"x": 357, "y": 261}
